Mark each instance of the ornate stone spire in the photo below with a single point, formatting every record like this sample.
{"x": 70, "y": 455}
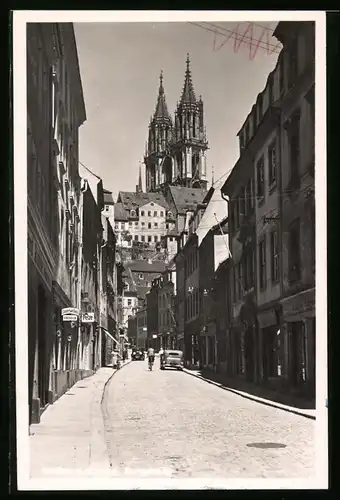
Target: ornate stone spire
{"x": 139, "y": 187}
{"x": 188, "y": 94}
{"x": 161, "y": 106}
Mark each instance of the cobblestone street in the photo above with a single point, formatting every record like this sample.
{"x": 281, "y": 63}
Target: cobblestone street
{"x": 170, "y": 421}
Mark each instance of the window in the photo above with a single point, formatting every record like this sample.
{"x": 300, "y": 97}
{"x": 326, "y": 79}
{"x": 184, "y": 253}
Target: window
{"x": 270, "y": 90}
{"x": 116, "y": 225}
{"x": 141, "y": 276}
{"x": 312, "y": 235}
{"x": 259, "y": 108}
{"x": 162, "y": 214}
{"x": 136, "y": 237}
{"x": 155, "y": 214}
{"x": 155, "y": 224}
{"x": 293, "y": 63}
{"x": 149, "y": 213}
{"x": 239, "y": 280}
{"x": 149, "y": 239}
{"x": 260, "y": 178}
{"x": 167, "y": 226}
{"x": 133, "y": 213}
{"x": 129, "y": 302}
{"x": 262, "y": 263}
{"x": 171, "y": 238}
{"x": 248, "y": 198}
{"x": 143, "y": 224}
{"x": 136, "y": 223}
{"x": 274, "y": 256}
{"x": 242, "y": 204}
{"x": 248, "y": 269}
{"x": 122, "y": 225}
{"x": 142, "y": 213}
{"x": 294, "y": 149}
{"x": 169, "y": 214}
{"x": 272, "y": 164}
{"x": 294, "y": 270}
{"x": 282, "y": 76}
{"x": 149, "y": 225}
{"x": 247, "y": 133}
{"x": 142, "y": 238}
{"x": 130, "y": 224}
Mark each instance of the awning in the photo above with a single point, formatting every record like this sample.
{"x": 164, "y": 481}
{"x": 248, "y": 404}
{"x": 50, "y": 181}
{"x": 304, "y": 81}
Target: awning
{"x": 109, "y": 334}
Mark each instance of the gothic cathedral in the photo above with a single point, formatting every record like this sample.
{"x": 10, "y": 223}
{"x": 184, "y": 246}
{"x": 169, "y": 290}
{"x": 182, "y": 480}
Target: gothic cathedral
{"x": 176, "y": 150}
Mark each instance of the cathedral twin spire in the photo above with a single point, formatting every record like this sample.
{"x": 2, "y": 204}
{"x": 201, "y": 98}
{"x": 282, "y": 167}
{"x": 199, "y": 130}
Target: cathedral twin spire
{"x": 161, "y": 111}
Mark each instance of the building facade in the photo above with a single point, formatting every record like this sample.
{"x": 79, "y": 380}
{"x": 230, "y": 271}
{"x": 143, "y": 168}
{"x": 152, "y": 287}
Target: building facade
{"x": 271, "y": 199}
{"x": 141, "y": 328}
{"x": 153, "y": 339}
{"x": 297, "y": 136}
{"x": 166, "y": 309}
{"x": 55, "y": 111}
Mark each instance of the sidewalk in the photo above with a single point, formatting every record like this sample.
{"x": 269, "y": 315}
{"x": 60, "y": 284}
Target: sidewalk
{"x": 70, "y": 434}
{"x": 263, "y": 395}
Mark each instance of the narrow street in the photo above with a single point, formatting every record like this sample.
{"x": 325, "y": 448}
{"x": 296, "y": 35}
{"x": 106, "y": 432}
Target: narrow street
{"x": 170, "y": 421}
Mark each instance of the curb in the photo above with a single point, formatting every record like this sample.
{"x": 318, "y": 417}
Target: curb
{"x": 253, "y": 398}
{"x": 110, "y": 377}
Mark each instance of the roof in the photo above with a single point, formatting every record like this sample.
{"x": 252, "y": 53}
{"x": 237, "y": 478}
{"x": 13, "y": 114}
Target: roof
{"x": 161, "y": 111}
{"x": 120, "y": 212}
{"x": 187, "y": 198}
{"x": 142, "y": 291}
{"x": 188, "y": 94}
{"x": 108, "y": 198}
{"x": 132, "y": 200}
{"x": 155, "y": 266}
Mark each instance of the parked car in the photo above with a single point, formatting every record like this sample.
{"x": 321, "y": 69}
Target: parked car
{"x": 138, "y": 355}
{"x": 171, "y": 359}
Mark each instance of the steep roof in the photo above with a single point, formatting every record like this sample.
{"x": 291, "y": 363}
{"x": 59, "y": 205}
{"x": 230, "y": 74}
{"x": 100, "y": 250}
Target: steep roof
{"x": 108, "y": 198}
{"x": 132, "y": 200}
{"x": 188, "y": 93}
{"x": 186, "y": 198}
{"x": 144, "y": 266}
{"x": 120, "y": 212}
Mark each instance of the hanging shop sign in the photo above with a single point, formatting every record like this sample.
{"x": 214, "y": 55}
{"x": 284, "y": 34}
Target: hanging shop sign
{"x": 70, "y": 317}
{"x": 87, "y": 318}
{"x": 70, "y": 310}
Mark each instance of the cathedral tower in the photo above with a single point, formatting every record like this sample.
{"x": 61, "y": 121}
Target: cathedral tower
{"x": 189, "y": 138}
{"x": 158, "y": 163}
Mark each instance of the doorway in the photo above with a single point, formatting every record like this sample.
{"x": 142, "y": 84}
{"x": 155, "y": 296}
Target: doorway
{"x": 249, "y": 353}
{"x": 43, "y": 375}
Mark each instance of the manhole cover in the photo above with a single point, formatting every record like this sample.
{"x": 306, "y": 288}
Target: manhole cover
{"x": 266, "y": 445}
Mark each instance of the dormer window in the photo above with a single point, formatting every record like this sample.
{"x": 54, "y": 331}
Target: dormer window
{"x": 133, "y": 213}
{"x": 169, "y": 214}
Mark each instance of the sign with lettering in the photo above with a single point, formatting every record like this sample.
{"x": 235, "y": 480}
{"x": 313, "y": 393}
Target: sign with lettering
{"x": 87, "y": 318}
{"x": 70, "y": 317}
{"x": 70, "y": 310}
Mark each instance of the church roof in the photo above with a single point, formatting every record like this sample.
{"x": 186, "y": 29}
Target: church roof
{"x": 188, "y": 93}
{"x": 186, "y": 198}
{"x": 132, "y": 200}
{"x": 161, "y": 111}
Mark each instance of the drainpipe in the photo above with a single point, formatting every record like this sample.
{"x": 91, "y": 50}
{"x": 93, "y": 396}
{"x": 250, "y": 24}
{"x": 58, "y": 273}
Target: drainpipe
{"x": 280, "y": 193}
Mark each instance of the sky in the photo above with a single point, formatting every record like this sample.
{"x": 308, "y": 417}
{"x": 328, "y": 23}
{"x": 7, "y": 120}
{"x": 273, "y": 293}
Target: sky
{"x": 120, "y": 64}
